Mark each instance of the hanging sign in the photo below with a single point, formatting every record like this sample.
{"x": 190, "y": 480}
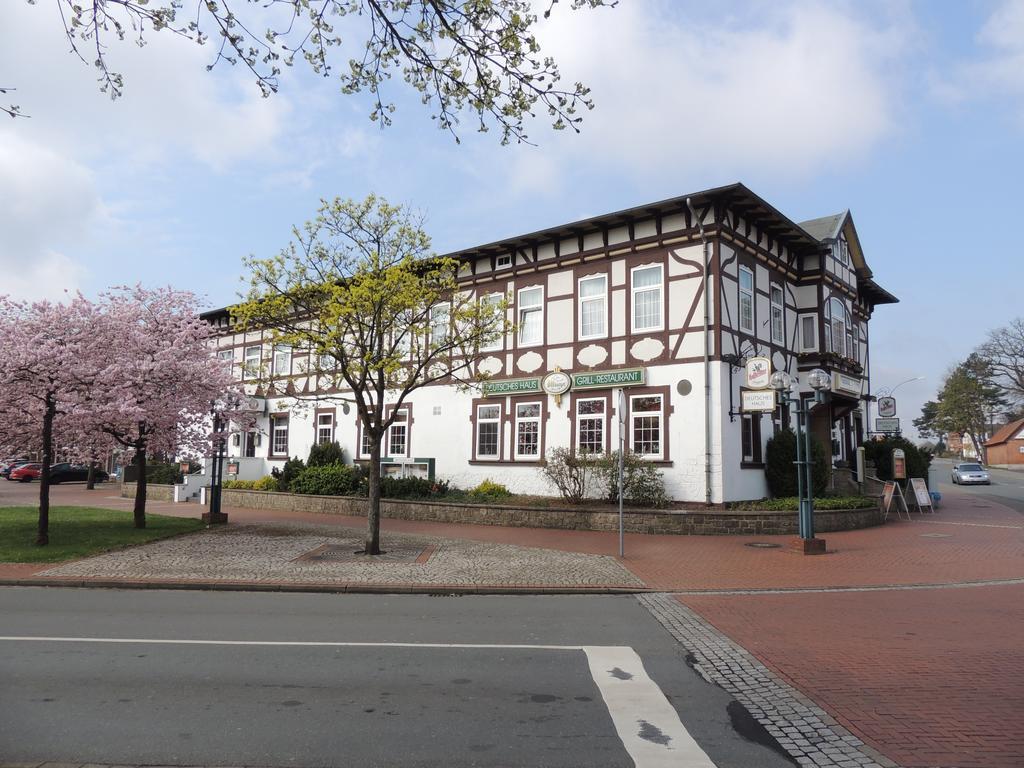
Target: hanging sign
{"x": 511, "y": 386}
{"x": 899, "y": 464}
{"x": 887, "y": 425}
{"x": 757, "y": 400}
{"x": 758, "y": 372}
{"x": 887, "y": 407}
{"x": 626, "y": 377}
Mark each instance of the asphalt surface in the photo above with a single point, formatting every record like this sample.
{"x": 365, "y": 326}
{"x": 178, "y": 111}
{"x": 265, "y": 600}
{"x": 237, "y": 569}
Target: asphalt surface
{"x": 160, "y": 703}
{"x": 1007, "y": 486}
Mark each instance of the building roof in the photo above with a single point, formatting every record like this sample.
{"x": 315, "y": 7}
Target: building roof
{"x": 825, "y": 228}
{"x": 1006, "y": 433}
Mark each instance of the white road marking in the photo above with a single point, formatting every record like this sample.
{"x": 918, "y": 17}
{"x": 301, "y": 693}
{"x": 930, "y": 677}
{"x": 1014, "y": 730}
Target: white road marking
{"x": 648, "y": 725}
{"x": 645, "y": 721}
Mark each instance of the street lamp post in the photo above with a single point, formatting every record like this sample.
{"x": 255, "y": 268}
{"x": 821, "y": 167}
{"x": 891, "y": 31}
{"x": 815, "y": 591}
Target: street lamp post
{"x": 214, "y": 516}
{"x": 783, "y": 384}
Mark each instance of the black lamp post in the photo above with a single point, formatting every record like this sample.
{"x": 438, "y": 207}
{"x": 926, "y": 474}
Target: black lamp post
{"x": 214, "y": 516}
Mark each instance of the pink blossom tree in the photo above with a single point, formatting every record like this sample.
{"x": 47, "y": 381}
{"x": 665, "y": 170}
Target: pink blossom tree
{"x": 52, "y": 359}
{"x": 162, "y": 381}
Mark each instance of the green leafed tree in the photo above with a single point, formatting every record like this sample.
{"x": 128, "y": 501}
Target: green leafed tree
{"x": 969, "y": 401}
{"x": 927, "y": 423}
{"x": 481, "y": 57}
{"x": 379, "y": 314}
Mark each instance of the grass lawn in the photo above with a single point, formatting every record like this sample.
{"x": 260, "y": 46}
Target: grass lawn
{"x": 79, "y": 532}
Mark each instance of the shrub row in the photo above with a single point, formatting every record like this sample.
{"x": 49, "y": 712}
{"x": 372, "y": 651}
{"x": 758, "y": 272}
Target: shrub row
{"x": 792, "y": 503}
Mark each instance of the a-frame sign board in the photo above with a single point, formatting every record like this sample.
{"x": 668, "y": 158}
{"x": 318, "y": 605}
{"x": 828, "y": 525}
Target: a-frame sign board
{"x": 922, "y": 498}
{"x": 892, "y": 494}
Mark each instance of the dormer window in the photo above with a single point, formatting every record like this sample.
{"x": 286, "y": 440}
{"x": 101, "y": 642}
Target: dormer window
{"x": 503, "y": 262}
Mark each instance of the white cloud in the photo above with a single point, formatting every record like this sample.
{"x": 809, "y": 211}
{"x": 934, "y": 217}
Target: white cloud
{"x": 50, "y": 201}
{"x": 787, "y": 89}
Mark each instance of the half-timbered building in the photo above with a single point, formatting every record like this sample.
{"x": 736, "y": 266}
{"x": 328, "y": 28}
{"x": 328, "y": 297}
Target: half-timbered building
{"x": 655, "y": 308}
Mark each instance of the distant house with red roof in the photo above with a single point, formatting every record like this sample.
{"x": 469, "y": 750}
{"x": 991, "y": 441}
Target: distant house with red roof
{"x": 1006, "y": 448}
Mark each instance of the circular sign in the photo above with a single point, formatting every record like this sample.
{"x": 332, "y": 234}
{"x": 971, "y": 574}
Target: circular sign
{"x": 759, "y": 372}
{"x": 556, "y": 383}
{"x": 887, "y": 406}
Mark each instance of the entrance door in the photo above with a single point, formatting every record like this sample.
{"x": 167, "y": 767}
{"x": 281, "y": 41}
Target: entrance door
{"x": 250, "y": 445}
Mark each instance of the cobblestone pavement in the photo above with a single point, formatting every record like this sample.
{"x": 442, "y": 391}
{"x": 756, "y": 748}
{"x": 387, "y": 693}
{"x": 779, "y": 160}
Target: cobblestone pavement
{"x": 931, "y": 677}
{"x": 801, "y": 727}
{"x": 269, "y": 553}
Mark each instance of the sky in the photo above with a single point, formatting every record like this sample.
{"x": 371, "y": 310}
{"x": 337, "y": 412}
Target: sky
{"x": 910, "y": 114}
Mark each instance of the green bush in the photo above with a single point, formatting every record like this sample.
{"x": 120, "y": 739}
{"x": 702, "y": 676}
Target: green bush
{"x": 331, "y": 480}
{"x": 791, "y": 503}
{"x": 289, "y": 472}
{"x": 880, "y": 452}
{"x": 780, "y": 469}
{"x": 406, "y": 488}
{"x": 325, "y": 454}
{"x": 265, "y": 483}
{"x": 489, "y": 491}
{"x": 570, "y": 473}
{"x": 642, "y": 483}
{"x": 241, "y": 485}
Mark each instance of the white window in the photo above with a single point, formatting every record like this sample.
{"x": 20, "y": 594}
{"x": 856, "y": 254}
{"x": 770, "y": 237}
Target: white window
{"x": 593, "y": 301}
{"x": 531, "y": 316}
{"x": 528, "y": 431}
{"x": 324, "y": 428}
{"x": 778, "y": 315}
{"x": 366, "y": 443}
{"x": 486, "y": 302}
{"x": 837, "y": 327}
{"x": 326, "y": 363}
{"x": 398, "y": 435}
{"x": 808, "y": 333}
{"x": 279, "y": 435}
{"x": 488, "y": 431}
{"x": 647, "y": 298}
{"x": 746, "y": 300}
{"x": 504, "y": 261}
{"x": 440, "y": 328}
{"x": 645, "y": 434}
{"x": 590, "y": 425}
{"x": 228, "y": 356}
{"x": 282, "y": 360}
{"x": 252, "y": 362}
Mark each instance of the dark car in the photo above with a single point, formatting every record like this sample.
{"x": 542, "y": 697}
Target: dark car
{"x": 69, "y": 473}
{"x": 25, "y": 473}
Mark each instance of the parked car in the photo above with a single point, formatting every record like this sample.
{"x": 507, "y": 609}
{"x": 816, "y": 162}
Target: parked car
{"x": 964, "y": 474}
{"x": 7, "y": 466}
{"x": 68, "y": 473}
{"x": 25, "y": 473}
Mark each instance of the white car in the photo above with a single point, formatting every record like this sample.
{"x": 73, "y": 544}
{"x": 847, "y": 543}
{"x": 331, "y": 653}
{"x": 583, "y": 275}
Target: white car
{"x": 964, "y": 474}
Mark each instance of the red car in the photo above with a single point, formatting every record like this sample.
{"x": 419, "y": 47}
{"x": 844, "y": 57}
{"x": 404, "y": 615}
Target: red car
{"x": 26, "y": 473}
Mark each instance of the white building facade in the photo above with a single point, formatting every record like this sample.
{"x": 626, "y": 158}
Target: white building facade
{"x": 655, "y": 308}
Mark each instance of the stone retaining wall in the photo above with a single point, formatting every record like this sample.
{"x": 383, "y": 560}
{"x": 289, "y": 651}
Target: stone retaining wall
{"x": 712, "y": 522}
{"x": 154, "y": 491}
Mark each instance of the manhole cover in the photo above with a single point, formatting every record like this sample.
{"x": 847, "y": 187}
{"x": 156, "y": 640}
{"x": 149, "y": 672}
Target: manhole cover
{"x": 935, "y": 535}
{"x": 347, "y": 553}
{"x": 762, "y": 545}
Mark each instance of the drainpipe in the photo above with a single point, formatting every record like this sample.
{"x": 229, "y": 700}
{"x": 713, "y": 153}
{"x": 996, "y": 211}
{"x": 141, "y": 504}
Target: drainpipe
{"x": 707, "y": 358}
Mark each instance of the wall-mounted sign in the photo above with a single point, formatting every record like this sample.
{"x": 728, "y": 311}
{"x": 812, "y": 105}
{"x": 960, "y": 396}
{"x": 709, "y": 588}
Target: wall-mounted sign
{"x": 887, "y": 425}
{"x": 626, "y": 377}
{"x": 899, "y": 464}
{"x": 845, "y": 385}
{"x": 511, "y": 386}
{"x": 887, "y": 407}
{"x": 556, "y": 383}
{"x": 757, "y": 400}
{"x": 184, "y": 467}
{"x": 759, "y": 372}
{"x": 232, "y": 467}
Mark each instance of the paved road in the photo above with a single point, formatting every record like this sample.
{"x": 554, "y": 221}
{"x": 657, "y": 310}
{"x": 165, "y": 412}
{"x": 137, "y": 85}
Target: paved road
{"x": 552, "y": 681}
{"x": 1007, "y": 485}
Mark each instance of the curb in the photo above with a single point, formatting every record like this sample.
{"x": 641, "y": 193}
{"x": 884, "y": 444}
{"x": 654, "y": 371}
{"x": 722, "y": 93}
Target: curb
{"x": 346, "y": 588}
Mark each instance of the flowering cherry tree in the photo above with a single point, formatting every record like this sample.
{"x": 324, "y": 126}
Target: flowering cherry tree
{"x": 52, "y": 358}
{"x": 162, "y": 381}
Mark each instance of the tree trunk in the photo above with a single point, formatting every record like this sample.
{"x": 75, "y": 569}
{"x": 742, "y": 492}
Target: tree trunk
{"x": 90, "y": 480}
{"x": 373, "y": 502}
{"x": 140, "y": 487}
{"x": 43, "y": 535}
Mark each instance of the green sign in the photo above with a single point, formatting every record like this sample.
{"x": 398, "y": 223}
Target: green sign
{"x": 627, "y": 377}
{"x": 511, "y": 386}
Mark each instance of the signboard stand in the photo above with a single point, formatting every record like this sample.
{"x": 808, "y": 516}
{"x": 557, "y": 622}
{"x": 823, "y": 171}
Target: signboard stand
{"x": 893, "y": 494}
{"x": 922, "y": 498}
